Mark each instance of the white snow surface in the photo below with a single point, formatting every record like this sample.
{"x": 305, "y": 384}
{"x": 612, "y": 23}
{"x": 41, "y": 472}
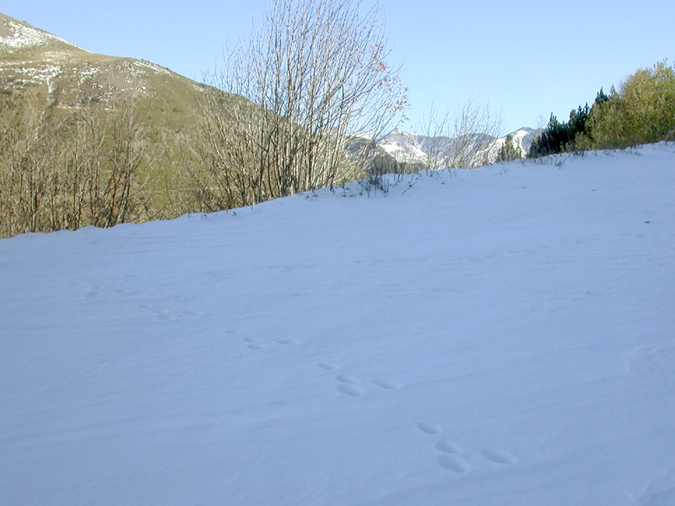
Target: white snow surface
{"x": 496, "y": 337}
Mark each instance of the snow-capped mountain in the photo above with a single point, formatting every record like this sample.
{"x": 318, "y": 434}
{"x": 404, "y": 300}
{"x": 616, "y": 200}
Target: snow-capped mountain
{"x": 521, "y": 138}
{"x": 406, "y": 147}
{"x": 481, "y": 149}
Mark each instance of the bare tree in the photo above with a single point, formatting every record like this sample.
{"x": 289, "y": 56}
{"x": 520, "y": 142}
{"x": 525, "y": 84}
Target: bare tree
{"x": 288, "y": 104}
{"x": 26, "y": 156}
{"x": 64, "y": 169}
{"x": 114, "y": 150}
{"x": 460, "y": 140}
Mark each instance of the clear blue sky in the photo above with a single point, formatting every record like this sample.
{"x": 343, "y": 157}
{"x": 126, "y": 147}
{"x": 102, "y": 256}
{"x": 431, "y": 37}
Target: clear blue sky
{"x": 526, "y": 58}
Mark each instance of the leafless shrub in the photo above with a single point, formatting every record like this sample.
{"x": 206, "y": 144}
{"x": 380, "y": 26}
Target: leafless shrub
{"x": 312, "y": 79}
{"x": 462, "y": 139}
{"x": 64, "y": 170}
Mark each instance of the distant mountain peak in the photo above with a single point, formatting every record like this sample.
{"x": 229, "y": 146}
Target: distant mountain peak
{"x": 412, "y": 148}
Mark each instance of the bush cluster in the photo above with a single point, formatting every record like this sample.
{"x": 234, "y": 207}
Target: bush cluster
{"x": 68, "y": 169}
{"x": 642, "y": 111}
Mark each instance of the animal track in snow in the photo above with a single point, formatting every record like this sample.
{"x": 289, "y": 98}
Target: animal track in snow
{"x": 344, "y": 378}
{"x": 499, "y": 457}
{"x": 386, "y": 385}
{"x": 447, "y": 446}
{"x": 349, "y": 385}
{"x": 453, "y": 463}
{"x": 353, "y": 385}
{"x": 452, "y": 457}
{"x": 351, "y": 390}
{"x": 428, "y": 428}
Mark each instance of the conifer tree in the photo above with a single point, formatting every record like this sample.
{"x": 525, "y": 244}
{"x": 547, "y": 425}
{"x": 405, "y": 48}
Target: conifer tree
{"x": 560, "y": 137}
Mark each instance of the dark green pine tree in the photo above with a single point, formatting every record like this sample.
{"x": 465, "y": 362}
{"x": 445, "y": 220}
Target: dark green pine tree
{"x": 549, "y": 140}
{"x": 602, "y": 97}
{"x": 559, "y": 137}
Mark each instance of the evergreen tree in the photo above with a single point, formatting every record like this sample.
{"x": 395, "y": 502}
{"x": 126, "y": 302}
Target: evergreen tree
{"x": 602, "y": 97}
{"x": 560, "y": 137}
{"x": 643, "y": 111}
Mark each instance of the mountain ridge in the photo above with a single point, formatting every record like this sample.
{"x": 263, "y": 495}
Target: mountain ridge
{"x": 69, "y": 77}
{"x": 411, "y": 148}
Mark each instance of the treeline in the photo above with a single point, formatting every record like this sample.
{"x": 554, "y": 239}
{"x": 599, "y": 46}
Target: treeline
{"x": 279, "y": 119}
{"x": 641, "y": 111}
{"x": 270, "y": 126}
{"x": 66, "y": 169}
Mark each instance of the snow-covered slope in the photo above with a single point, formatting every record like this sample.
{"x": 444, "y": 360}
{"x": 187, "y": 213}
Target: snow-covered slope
{"x": 420, "y": 149}
{"x": 498, "y": 337}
